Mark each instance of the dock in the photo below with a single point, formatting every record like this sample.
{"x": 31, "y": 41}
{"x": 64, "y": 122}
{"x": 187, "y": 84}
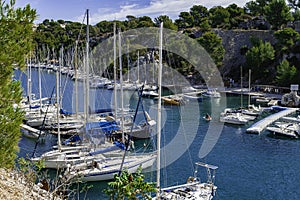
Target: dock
{"x": 259, "y": 126}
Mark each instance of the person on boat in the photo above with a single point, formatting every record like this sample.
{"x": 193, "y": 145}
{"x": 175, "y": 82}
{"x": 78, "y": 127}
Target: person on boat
{"x": 207, "y": 116}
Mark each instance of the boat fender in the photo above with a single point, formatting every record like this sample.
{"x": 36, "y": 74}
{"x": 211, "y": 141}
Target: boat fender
{"x": 190, "y": 179}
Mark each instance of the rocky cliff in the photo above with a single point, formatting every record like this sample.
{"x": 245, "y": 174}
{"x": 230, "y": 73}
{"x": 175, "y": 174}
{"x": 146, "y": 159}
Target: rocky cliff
{"x": 234, "y": 40}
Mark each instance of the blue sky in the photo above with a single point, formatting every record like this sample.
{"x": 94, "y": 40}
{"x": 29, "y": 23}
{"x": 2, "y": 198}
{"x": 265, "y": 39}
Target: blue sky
{"x": 100, "y": 10}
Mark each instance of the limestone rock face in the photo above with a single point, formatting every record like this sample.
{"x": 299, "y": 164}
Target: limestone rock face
{"x": 234, "y": 40}
{"x": 14, "y": 186}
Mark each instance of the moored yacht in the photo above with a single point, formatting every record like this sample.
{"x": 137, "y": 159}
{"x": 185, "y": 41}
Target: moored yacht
{"x": 233, "y": 118}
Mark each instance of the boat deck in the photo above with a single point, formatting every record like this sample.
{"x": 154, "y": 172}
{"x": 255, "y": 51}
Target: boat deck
{"x": 32, "y": 132}
{"x": 29, "y": 128}
{"x": 259, "y": 126}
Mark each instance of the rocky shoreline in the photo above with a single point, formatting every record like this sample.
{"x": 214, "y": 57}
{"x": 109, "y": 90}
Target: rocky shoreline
{"x": 13, "y": 185}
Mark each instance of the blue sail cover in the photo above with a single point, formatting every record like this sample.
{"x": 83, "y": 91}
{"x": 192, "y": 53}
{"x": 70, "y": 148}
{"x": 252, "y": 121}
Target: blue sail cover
{"x": 104, "y": 127}
{"x": 71, "y": 140}
{"x": 64, "y": 112}
{"x": 120, "y": 145}
{"x": 33, "y": 107}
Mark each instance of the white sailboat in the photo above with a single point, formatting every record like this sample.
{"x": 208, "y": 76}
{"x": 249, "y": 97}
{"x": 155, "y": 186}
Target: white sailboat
{"x": 241, "y": 115}
{"x": 104, "y": 167}
{"x": 63, "y": 156}
{"x": 194, "y": 188}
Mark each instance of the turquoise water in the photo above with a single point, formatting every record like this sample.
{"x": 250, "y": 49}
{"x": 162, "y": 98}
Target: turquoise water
{"x": 250, "y": 166}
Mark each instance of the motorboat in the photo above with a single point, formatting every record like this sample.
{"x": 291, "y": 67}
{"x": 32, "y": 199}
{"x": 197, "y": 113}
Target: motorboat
{"x": 233, "y": 118}
{"x": 193, "y": 97}
{"x": 212, "y": 93}
{"x": 193, "y": 188}
{"x": 172, "y": 100}
{"x": 149, "y": 93}
{"x": 284, "y": 132}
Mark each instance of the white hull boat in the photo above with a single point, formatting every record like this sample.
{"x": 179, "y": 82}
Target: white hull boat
{"x": 193, "y": 189}
{"x": 233, "y": 118}
{"x": 105, "y": 169}
{"x": 212, "y": 93}
{"x": 284, "y": 132}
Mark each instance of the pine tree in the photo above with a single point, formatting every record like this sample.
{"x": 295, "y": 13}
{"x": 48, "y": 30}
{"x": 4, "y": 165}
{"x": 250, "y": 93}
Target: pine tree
{"x": 16, "y": 31}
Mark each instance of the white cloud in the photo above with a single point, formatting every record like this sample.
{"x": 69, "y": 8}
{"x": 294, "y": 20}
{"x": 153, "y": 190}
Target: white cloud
{"x": 157, "y": 8}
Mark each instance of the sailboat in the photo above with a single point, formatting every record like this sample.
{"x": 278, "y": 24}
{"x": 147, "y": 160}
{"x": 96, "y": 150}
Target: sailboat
{"x": 34, "y": 115}
{"x": 62, "y": 156}
{"x": 104, "y": 167}
{"x": 241, "y": 115}
{"x": 194, "y": 188}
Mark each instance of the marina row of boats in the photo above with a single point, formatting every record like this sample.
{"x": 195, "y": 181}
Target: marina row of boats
{"x": 281, "y": 125}
{"x": 102, "y": 144}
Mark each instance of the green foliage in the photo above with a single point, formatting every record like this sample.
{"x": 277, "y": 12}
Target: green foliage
{"x": 167, "y": 22}
{"x": 185, "y": 20}
{"x": 199, "y": 14}
{"x": 236, "y": 15}
{"x": 212, "y": 43}
{"x": 31, "y": 170}
{"x": 278, "y": 13}
{"x": 257, "y": 7}
{"x": 259, "y": 58}
{"x": 205, "y": 26}
{"x": 286, "y": 74}
{"x": 130, "y": 186}
{"x": 286, "y": 38}
{"x": 219, "y": 17}
{"x": 16, "y": 42}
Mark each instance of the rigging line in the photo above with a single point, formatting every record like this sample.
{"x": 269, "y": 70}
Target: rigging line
{"x": 140, "y": 91}
{"x": 165, "y": 174}
{"x": 185, "y": 139}
{"x": 43, "y": 125}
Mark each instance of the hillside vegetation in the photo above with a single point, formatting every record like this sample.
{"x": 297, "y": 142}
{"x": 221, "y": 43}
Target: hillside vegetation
{"x": 270, "y": 46}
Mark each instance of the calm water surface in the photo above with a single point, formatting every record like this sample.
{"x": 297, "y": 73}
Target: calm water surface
{"x": 250, "y": 166}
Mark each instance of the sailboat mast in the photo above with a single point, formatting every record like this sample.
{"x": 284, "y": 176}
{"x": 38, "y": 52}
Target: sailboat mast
{"x": 40, "y": 87}
{"x": 241, "y": 86}
{"x": 115, "y": 72}
{"x": 249, "y": 86}
{"x": 128, "y": 63}
{"x": 76, "y": 82}
{"x": 138, "y": 67}
{"x": 60, "y": 75}
{"x": 57, "y": 110}
{"x": 121, "y": 85}
{"x": 159, "y": 113}
{"x": 153, "y": 66}
{"x": 87, "y": 68}
{"x": 29, "y": 81}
